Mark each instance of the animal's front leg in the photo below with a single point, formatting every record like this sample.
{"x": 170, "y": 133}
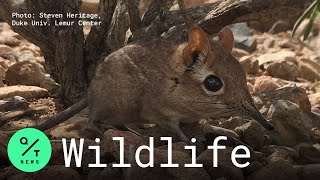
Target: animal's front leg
{"x": 174, "y": 127}
{"x": 98, "y": 126}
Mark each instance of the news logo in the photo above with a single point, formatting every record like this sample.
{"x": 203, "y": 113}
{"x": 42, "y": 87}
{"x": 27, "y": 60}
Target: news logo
{"x": 29, "y": 150}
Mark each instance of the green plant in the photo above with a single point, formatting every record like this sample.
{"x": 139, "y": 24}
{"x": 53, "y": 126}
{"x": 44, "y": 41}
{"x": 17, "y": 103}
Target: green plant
{"x": 312, "y": 12}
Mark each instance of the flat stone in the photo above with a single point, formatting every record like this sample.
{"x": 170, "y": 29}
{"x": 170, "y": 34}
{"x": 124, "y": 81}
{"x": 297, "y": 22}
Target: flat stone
{"x": 243, "y": 38}
{"x": 314, "y": 99}
{"x": 265, "y": 84}
{"x": 309, "y": 70}
{"x": 13, "y": 103}
{"x": 250, "y": 64}
{"x": 252, "y": 134}
{"x": 284, "y": 70}
{"x": 6, "y": 51}
{"x": 292, "y": 125}
{"x": 282, "y": 55}
{"x": 27, "y": 92}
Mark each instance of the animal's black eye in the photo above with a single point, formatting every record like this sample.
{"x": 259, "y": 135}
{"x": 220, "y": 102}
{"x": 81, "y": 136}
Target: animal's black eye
{"x": 212, "y": 83}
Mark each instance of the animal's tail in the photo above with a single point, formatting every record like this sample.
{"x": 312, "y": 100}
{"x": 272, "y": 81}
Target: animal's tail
{"x": 63, "y": 116}
{"x": 59, "y": 118}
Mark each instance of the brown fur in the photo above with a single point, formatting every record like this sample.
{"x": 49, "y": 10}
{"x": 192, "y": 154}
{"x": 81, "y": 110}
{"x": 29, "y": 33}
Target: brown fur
{"x": 152, "y": 81}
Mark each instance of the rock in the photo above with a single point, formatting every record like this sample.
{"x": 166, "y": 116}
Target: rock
{"x": 293, "y": 94}
{"x": 291, "y": 43}
{"x": 2, "y": 72}
{"x": 4, "y": 26}
{"x": 315, "y": 134}
{"x": 13, "y": 103}
{"x": 27, "y": 48}
{"x": 49, "y": 84}
{"x": 31, "y": 74}
{"x": 225, "y": 169}
{"x": 56, "y": 156}
{"x": 308, "y": 154}
{"x": 4, "y": 62}
{"x": 157, "y": 172}
{"x": 268, "y": 43}
{"x": 278, "y": 153}
{"x": 314, "y": 99}
{"x": 88, "y": 156}
{"x": 11, "y": 173}
{"x": 233, "y": 122}
{"x": 6, "y": 51}
{"x": 25, "y": 73}
{"x": 309, "y": 172}
{"x": 111, "y": 173}
{"x": 57, "y": 172}
{"x": 239, "y": 53}
{"x": 282, "y": 55}
{"x": 316, "y": 110}
{"x": 96, "y": 174}
{"x": 243, "y": 38}
{"x": 40, "y": 60}
{"x": 284, "y": 70}
{"x": 309, "y": 70}
{"x": 250, "y": 87}
{"x": 107, "y": 173}
{"x": 109, "y": 146}
{"x": 27, "y": 56}
{"x": 315, "y": 86}
{"x": 252, "y": 134}
{"x": 291, "y": 124}
{"x": 307, "y": 53}
{"x": 265, "y": 84}
{"x": 27, "y": 92}
{"x": 220, "y": 131}
{"x": 279, "y": 170}
{"x": 9, "y": 40}
{"x": 4, "y": 139}
{"x": 253, "y": 167}
{"x": 250, "y": 65}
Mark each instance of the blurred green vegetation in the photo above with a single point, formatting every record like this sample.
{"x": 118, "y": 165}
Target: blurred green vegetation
{"x": 311, "y": 12}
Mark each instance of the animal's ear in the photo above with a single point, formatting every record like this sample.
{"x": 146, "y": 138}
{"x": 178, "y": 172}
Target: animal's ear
{"x": 197, "y": 48}
{"x": 226, "y": 38}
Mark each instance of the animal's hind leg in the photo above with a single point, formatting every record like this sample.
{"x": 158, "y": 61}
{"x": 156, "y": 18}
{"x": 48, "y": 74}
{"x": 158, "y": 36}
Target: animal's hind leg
{"x": 96, "y": 125}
